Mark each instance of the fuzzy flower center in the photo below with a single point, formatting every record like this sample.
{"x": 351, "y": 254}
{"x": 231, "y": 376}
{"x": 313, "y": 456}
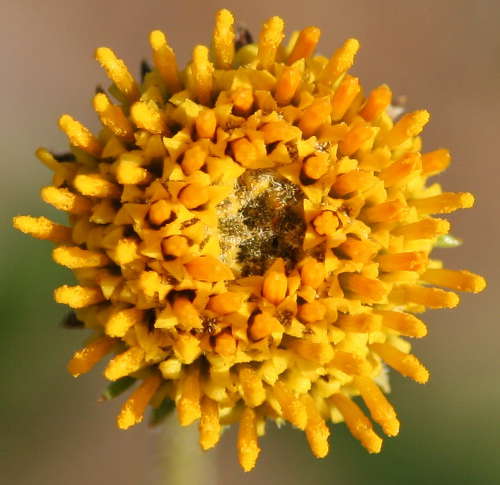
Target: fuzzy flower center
{"x": 261, "y": 220}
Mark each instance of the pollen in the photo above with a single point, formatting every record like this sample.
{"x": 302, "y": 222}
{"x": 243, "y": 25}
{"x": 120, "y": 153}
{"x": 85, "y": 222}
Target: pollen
{"x": 251, "y": 238}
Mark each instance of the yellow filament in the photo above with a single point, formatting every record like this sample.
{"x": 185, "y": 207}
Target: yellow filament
{"x": 287, "y": 85}
{"x": 95, "y": 185}
{"x": 390, "y": 211}
{"x": 406, "y": 364}
{"x": 403, "y": 323}
{"x": 202, "y": 70}
{"x": 118, "y": 73}
{"x": 456, "y": 280}
{"x": 368, "y": 288}
{"x": 352, "y": 181}
{"x": 129, "y": 172}
{"x": 292, "y": 408}
{"x": 380, "y": 409}
{"x": 344, "y": 96}
{"x": 354, "y": 139}
{"x": 165, "y": 61}
{"x": 85, "y": 359}
{"x": 187, "y": 348}
{"x": 78, "y": 296}
{"x": 188, "y": 405}
{"x": 65, "y": 200}
{"x": 409, "y": 261}
{"x": 119, "y": 322}
{"x": 359, "y": 251}
{"x": 269, "y": 41}
{"x": 435, "y": 161}
{"x": 399, "y": 171}
{"x": 79, "y": 136}
{"x": 148, "y": 116}
{"x": 125, "y": 364}
{"x": 410, "y": 125}
{"x": 314, "y": 116}
{"x": 359, "y": 425}
{"x": 360, "y": 323}
{"x": 248, "y": 447}
{"x": 254, "y": 393}
{"x": 378, "y": 100}
{"x": 305, "y": 45}
{"x": 443, "y": 203}
{"x": 74, "y": 257}
{"x": 42, "y": 228}
{"x": 341, "y": 61}
{"x": 350, "y": 364}
{"x": 423, "y": 229}
{"x": 317, "y": 431}
{"x": 209, "y": 423}
{"x": 48, "y": 159}
{"x": 113, "y": 117}
{"x": 319, "y": 352}
{"x": 430, "y": 297}
{"x": 132, "y": 411}
{"x": 224, "y": 39}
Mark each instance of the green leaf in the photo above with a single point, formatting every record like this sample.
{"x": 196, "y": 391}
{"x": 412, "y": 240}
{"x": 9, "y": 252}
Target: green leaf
{"x": 117, "y": 387}
{"x": 162, "y": 411}
{"x": 447, "y": 241}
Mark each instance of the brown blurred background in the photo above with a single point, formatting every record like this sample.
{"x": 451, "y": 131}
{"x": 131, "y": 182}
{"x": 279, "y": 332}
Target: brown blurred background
{"x": 445, "y": 55}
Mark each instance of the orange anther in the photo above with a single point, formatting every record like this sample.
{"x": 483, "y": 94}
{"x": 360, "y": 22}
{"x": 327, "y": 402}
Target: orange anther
{"x": 274, "y": 286}
{"x": 359, "y": 251}
{"x": 326, "y": 223}
{"x": 244, "y": 151}
{"x": 278, "y": 131}
{"x": 344, "y": 96}
{"x": 264, "y": 325}
{"x": 349, "y": 182}
{"x": 314, "y": 116}
{"x": 208, "y": 268}
{"x": 175, "y": 246}
{"x": 312, "y": 273}
{"x": 287, "y": 85}
{"x": 316, "y": 166}
{"x": 159, "y": 212}
{"x": 206, "y": 123}
{"x": 242, "y": 99}
{"x": 225, "y": 344}
{"x": 435, "y": 162}
{"x": 193, "y": 159}
{"x": 225, "y": 303}
{"x": 312, "y": 312}
{"x": 377, "y": 102}
{"x": 305, "y": 45}
{"x": 194, "y": 195}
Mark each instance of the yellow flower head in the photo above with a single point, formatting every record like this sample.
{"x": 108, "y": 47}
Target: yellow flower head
{"x": 251, "y": 238}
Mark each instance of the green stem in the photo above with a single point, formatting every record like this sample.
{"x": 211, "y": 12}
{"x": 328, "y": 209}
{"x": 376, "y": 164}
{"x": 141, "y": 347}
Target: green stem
{"x": 181, "y": 459}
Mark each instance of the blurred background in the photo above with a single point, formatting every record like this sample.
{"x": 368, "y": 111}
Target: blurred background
{"x": 444, "y": 55}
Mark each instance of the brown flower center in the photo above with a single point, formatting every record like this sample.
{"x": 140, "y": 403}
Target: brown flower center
{"x": 261, "y": 220}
